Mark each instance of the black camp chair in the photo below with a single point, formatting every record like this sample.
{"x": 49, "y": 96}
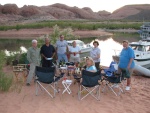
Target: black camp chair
{"x": 114, "y": 82}
{"x": 46, "y": 76}
{"x": 90, "y": 83}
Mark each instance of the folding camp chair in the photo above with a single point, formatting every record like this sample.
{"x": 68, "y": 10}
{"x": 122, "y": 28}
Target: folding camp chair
{"x": 113, "y": 80}
{"x": 90, "y": 83}
{"x": 46, "y": 76}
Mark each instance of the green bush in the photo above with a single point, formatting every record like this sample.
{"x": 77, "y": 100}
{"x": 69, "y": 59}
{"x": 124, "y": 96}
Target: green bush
{"x": 5, "y": 81}
{"x": 81, "y": 25}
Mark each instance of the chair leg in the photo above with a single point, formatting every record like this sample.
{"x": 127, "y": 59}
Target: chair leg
{"x": 36, "y": 91}
{"x": 79, "y": 93}
{"x": 104, "y": 88}
{"x": 55, "y": 89}
{"x": 90, "y": 92}
{"x": 45, "y": 89}
{"x": 98, "y": 94}
{"x": 112, "y": 90}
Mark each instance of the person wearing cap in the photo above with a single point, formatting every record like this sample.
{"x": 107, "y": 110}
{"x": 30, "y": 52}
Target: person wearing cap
{"x": 95, "y": 54}
{"x": 126, "y": 62}
{"x": 33, "y": 56}
{"x": 47, "y": 51}
{"x": 62, "y": 48}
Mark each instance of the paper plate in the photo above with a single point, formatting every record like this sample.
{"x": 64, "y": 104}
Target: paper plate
{"x": 49, "y": 58}
{"x": 63, "y": 67}
{"x": 69, "y": 81}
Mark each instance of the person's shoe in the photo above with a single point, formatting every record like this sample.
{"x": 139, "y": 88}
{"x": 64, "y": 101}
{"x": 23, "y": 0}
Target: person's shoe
{"x": 127, "y": 88}
{"x": 27, "y": 84}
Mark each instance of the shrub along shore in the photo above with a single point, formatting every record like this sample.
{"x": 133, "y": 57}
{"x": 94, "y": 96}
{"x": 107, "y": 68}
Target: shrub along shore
{"x": 79, "y": 25}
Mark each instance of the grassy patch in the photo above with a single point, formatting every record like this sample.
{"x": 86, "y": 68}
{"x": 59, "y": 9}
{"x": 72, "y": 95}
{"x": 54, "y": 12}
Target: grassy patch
{"x": 80, "y": 25}
{"x": 5, "y": 81}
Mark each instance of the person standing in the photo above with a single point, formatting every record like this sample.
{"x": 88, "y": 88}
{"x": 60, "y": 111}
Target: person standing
{"x": 126, "y": 62}
{"x": 47, "y": 51}
{"x": 95, "y": 54}
{"x": 33, "y": 56}
{"x": 75, "y": 53}
{"x": 62, "y": 48}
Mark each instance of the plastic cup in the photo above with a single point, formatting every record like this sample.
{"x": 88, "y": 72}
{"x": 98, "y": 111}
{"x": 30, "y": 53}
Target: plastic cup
{"x": 65, "y": 78}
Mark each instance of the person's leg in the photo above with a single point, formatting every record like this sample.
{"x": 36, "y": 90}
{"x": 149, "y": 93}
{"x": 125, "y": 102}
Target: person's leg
{"x": 130, "y": 72}
{"x": 128, "y": 81}
{"x": 97, "y": 65}
{"x": 77, "y": 60}
{"x": 44, "y": 63}
{"x": 71, "y": 59}
{"x": 119, "y": 71}
{"x": 50, "y": 63}
{"x": 59, "y": 57}
{"x": 65, "y": 57}
{"x": 31, "y": 73}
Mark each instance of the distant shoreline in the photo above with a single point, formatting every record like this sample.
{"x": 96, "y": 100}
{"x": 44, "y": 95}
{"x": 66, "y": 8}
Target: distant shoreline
{"x": 36, "y": 33}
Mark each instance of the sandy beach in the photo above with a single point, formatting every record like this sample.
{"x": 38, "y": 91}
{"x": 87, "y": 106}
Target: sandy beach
{"x": 137, "y": 100}
{"x": 35, "y": 33}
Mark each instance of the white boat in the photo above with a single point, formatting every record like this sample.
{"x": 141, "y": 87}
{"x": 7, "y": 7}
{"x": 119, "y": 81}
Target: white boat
{"x": 145, "y": 30}
{"x": 85, "y": 48}
{"x": 142, "y": 53}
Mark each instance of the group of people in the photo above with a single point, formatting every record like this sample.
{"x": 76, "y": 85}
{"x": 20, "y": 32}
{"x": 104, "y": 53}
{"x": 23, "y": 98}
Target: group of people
{"x": 36, "y": 55}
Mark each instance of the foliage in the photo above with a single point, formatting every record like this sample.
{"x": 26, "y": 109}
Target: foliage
{"x": 80, "y": 25}
{"x": 2, "y": 59}
{"x": 5, "y": 80}
{"x": 67, "y": 32}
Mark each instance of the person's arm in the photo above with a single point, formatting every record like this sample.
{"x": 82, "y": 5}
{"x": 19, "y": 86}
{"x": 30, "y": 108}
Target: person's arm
{"x": 91, "y": 70}
{"x": 97, "y": 57}
{"x": 43, "y": 56}
{"x": 131, "y": 56}
{"x": 41, "y": 52}
{"x": 129, "y": 64}
{"x": 54, "y": 52}
{"x": 67, "y": 48}
{"x": 28, "y": 56}
{"x": 79, "y": 51}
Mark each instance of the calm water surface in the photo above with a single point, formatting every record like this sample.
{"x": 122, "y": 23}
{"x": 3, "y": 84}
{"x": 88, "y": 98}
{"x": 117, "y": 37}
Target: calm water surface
{"x": 106, "y": 44}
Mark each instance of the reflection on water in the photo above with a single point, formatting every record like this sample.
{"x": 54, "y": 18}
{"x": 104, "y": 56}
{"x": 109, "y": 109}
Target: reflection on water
{"x": 10, "y": 53}
{"x": 107, "y": 46}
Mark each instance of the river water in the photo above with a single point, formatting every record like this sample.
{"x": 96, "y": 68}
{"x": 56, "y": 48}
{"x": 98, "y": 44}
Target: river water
{"x": 107, "y": 46}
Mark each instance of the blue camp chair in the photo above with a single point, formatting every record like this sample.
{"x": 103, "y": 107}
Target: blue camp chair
{"x": 113, "y": 80}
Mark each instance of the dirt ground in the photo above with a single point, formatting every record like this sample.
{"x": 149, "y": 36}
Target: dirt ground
{"x": 137, "y": 100}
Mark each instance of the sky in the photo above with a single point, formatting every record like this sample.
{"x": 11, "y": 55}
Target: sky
{"x": 95, "y": 5}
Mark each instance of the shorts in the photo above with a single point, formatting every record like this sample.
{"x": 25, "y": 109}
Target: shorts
{"x": 74, "y": 59}
{"x": 62, "y": 57}
{"x": 126, "y": 73}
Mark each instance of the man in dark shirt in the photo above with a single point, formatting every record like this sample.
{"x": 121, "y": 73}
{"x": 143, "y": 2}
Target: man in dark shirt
{"x": 47, "y": 51}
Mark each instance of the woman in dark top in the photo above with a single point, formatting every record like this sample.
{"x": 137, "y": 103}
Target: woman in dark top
{"x": 47, "y": 51}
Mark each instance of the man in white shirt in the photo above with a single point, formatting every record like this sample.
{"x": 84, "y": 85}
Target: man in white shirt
{"x": 74, "y": 53}
{"x": 61, "y": 48}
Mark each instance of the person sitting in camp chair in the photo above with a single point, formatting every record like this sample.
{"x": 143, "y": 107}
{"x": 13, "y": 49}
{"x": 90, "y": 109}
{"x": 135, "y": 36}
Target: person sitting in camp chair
{"x": 90, "y": 65}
